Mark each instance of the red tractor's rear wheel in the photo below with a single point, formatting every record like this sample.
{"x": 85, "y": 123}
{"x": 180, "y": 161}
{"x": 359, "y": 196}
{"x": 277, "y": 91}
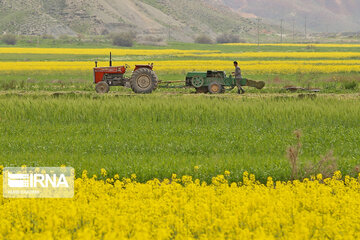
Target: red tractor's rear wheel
{"x": 143, "y": 80}
{"x": 102, "y": 87}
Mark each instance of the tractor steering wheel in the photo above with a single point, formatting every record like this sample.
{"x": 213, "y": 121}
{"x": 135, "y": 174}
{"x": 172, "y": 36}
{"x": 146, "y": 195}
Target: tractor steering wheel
{"x": 127, "y": 66}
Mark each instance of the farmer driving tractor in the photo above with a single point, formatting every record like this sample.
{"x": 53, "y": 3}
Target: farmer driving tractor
{"x": 238, "y": 78}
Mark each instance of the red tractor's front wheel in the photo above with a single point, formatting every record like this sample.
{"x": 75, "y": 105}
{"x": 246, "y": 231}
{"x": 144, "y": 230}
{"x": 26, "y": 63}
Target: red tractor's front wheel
{"x": 102, "y": 87}
{"x": 143, "y": 80}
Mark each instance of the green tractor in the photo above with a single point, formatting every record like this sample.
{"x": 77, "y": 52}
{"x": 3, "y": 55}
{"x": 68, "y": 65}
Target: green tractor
{"x": 216, "y": 82}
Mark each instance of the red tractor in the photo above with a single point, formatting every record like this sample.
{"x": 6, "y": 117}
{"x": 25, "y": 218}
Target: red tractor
{"x": 143, "y": 78}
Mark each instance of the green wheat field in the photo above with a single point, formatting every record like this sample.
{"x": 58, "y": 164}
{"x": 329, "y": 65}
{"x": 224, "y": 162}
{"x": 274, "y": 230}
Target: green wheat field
{"x": 56, "y": 118}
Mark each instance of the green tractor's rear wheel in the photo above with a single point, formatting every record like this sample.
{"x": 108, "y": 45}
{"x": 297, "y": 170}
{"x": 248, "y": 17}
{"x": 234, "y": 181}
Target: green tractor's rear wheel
{"x": 215, "y": 88}
{"x": 102, "y": 87}
{"x": 143, "y": 80}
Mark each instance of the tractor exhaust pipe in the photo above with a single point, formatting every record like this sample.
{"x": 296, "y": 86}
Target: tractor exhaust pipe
{"x": 110, "y": 63}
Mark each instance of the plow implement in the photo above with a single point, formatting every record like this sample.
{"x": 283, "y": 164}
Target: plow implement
{"x": 210, "y": 85}
{"x": 255, "y": 84}
{"x": 216, "y": 82}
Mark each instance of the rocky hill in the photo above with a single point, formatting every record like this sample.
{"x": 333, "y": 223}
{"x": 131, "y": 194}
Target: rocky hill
{"x": 322, "y": 15}
{"x": 175, "y": 19}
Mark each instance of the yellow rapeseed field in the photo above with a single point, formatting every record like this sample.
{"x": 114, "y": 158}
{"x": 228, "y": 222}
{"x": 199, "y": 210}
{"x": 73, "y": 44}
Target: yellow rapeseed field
{"x": 179, "y": 53}
{"x": 184, "y": 208}
{"x": 280, "y": 63}
{"x": 183, "y": 66}
{"x": 291, "y": 55}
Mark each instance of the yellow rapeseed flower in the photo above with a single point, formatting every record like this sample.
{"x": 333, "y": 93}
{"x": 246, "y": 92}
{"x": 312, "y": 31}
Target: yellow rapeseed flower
{"x": 84, "y": 174}
{"x": 189, "y": 209}
{"x": 103, "y": 172}
{"x": 319, "y": 177}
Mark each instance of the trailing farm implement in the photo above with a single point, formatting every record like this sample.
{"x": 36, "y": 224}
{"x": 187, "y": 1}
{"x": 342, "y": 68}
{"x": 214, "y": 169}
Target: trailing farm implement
{"x": 216, "y": 82}
{"x": 144, "y": 80}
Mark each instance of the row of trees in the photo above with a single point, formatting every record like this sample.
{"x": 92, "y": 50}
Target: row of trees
{"x": 9, "y": 39}
{"x": 223, "y": 38}
{"x": 121, "y": 39}
{"x": 127, "y": 39}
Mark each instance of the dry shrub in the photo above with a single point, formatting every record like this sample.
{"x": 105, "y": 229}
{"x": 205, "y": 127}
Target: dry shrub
{"x": 8, "y": 85}
{"x": 293, "y": 155}
{"x": 47, "y": 36}
{"x": 356, "y": 170}
{"x": 310, "y": 46}
{"x": 123, "y": 39}
{"x": 9, "y": 39}
{"x": 154, "y": 39}
{"x": 203, "y": 39}
{"x": 229, "y": 38}
{"x": 277, "y": 80}
{"x": 350, "y": 85}
{"x": 326, "y": 166}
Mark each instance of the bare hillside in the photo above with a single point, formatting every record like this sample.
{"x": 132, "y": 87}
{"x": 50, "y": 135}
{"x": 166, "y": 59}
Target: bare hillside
{"x": 175, "y": 19}
{"x": 322, "y": 15}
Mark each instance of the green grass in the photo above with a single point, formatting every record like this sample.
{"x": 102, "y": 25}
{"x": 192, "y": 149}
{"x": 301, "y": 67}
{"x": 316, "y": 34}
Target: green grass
{"x": 53, "y": 118}
{"x": 83, "y": 81}
{"x": 157, "y": 135}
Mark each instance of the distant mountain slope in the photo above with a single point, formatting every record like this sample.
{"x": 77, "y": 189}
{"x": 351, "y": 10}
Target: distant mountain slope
{"x": 322, "y": 15}
{"x": 177, "y": 19}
